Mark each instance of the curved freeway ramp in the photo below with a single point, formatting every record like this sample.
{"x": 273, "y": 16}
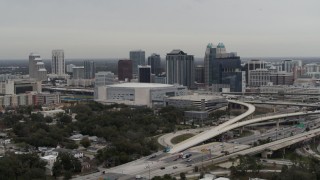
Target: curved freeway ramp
{"x": 212, "y": 132}
{"x": 267, "y": 118}
{"x": 256, "y": 120}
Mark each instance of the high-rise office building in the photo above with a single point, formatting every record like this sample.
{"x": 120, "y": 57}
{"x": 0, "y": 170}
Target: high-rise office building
{"x": 138, "y": 58}
{"x": 144, "y": 74}
{"x": 78, "y": 72}
{"x": 155, "y": 62}
{"x": 36, "y": 67}
{"x": 89, "y": 69}
{"x": 199, "y": 74}
{"x": 101, "y": 79}
{"x": 258, "y": 77}
{"x": 288, "y": 65}
{"x": 124, "y": 70}
{"x": 222, "y": 68}
{"x": 251, "y": 66}
{"x": 69, "y": 68}
{"x": 281, "y": 78}
{"x": 180, "y": 68}
{"x": 58, "y": 63}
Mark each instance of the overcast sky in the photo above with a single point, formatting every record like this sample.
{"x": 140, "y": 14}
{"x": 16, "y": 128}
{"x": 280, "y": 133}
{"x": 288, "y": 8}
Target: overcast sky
{"x": 111, "y": 28}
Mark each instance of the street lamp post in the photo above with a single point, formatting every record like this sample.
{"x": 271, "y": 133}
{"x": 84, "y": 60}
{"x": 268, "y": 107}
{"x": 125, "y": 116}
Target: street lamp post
{"x": 149, "y": 169}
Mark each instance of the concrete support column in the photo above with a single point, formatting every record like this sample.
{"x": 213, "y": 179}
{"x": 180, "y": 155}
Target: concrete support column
{"x": 278, "y": 124}
{"x": 266, "y": 154}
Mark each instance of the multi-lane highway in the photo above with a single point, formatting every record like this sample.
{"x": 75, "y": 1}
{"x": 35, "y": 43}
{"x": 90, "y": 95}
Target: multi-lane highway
{"x": 284, "y": 103}
{"x": 212, "y": 132}
{"x": 235, "y": 124}
{"x": 164, "y": 163}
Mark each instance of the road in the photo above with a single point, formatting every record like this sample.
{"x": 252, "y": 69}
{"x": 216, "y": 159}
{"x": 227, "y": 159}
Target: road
{"x": 222, "y": 129}
{"x": 153, "y": 167}
{"x": 275, "y": 134}
{"x": 165, "y": 140}
{"x": 212, "y": 132}
{"x": 283, "y": 103}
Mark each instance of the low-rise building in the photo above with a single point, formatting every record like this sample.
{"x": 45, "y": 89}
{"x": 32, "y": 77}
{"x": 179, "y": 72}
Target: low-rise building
{"x": 29, "y": 98}
{"x": 80, "y": 82}
{"x": 201, "y": 102}
{"x": 50, "y": 159}
{"x": 75, "y": 153}
{"x": 50, "y": 113}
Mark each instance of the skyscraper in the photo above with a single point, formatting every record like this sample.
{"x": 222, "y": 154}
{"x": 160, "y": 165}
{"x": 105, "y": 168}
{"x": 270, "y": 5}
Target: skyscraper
{"x": 253, "y": 65}
{"x": 89, "y": 69}
{"x": 155, "y": 62}
{"x": 124, "y": 70}
{"x": 138, "y": 58}
{"x": 144, "y": 74}
{"x": 58, "y": 63}
{"x": 101, "y": 79}
{"x": 199, "y": 74}
{"x": 36, "y": 67}
{"x": 222, "y": 68}
{"x": 180, "y": 68}
{"x": 78, "y": 72}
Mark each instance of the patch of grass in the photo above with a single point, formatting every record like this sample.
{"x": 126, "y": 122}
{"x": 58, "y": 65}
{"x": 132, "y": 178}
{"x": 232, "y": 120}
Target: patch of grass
{"x": 181, "y": 138}
{"x": 246, "y": 133}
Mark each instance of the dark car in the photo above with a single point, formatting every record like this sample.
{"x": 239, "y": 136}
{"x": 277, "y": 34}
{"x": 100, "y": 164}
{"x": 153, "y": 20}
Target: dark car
{"x": 162, "y": 168}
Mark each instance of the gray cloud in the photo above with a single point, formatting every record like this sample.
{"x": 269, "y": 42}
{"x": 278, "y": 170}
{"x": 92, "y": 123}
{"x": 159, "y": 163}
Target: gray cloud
{"x": 108, "y": 28}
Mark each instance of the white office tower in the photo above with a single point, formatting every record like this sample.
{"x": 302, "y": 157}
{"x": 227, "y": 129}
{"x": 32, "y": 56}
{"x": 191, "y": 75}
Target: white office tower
{"x": 78, "y": 72}
{"x": 69, "y": 68}
{"x": 89, "y": 69}
{"x": 58, "y": 63}
{"x": 102, "y": 79}
{"x": 138, "y": 58}
{"x": 36, "y": 67}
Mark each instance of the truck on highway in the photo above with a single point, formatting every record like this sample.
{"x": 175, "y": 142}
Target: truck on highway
{"x": 166, "y": 149}
{"x": 186, "y": 156}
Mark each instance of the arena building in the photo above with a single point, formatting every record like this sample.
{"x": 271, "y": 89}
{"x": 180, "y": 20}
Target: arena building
{"x": 138, "y": 94}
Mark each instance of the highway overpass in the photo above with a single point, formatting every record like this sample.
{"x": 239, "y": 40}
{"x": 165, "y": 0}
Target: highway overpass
{"x": 222, "y": 129}
{"x": 275, "y": 145}
{"x": 284, "y": 103}
{"x": 212, "y": 132}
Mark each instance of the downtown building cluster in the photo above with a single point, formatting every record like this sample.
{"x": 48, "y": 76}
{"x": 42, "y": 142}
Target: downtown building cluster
{"x": 219, "y": 71}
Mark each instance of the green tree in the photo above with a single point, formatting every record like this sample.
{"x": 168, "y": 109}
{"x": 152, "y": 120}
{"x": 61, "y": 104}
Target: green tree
{"x": 85, "y": 142}
{"x": 37, "y": 117}
{"x": 66, "y": 163}
{"x": 183, "y": 176}
{"x": 24, "y": 166}
{"x": 67, "y": 175}
{"x": 65, "y": 119}
{"x": 48, "y": 119}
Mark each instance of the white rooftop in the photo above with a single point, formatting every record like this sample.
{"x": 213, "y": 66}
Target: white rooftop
{"x": 49, "y": 157}
{"x": 34, "y": 54}
{"x": 42, "y": 69}
{"x": 222, "y": 178}
{"x": 141, "y": 85}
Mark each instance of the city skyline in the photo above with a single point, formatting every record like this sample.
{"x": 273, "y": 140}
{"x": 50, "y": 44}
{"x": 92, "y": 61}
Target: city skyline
{"x": 110, "y": 29}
